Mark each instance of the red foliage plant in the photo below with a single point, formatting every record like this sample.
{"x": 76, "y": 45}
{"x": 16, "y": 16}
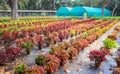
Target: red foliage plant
{"x": 12, "y": 52}
{"x": 97, "y": 55}
{"x": 52, "y": 63}
{"x": 3, "y": 57}
{"x": 35, "y": 70}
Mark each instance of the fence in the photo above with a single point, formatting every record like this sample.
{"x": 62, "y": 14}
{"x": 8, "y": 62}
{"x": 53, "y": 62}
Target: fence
{"x": 4, "y": 13}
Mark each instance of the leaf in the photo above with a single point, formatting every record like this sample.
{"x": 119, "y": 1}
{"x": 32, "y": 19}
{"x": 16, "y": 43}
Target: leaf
{"x": 67, "y": 70}
{"x": 100, "y": 72}
{"x": 78, "y": 70}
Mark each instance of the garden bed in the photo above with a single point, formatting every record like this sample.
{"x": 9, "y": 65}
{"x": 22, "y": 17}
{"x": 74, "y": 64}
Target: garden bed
{"x": 80, "y": 64}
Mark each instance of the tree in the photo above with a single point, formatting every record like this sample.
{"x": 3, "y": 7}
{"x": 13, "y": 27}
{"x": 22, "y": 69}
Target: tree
{"x": 3, "y": 5}
{"x": 116, "y": 4}
{"x": 104, "y": 4}
{"x": 14, "y": 7}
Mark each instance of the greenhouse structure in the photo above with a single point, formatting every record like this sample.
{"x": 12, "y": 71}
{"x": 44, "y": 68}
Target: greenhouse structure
{"x": 64, "y": 11}
{"x": 80, "y": 10}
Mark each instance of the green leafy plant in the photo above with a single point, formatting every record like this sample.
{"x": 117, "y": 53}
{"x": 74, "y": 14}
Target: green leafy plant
{"x": 72, "y": 32}
{"x": 20, "y": 68}
{"x": 27, "y": 45}
{"x": 109, "y": 43}
{"x": 40, "y": 60}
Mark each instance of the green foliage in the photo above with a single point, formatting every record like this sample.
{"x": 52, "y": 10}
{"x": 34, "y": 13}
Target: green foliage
{"x": 51, "y": 52}
{"x": 40, "y": 60}
{"x": 20, "y": 67}
{"x": 109, "y": 43}
{"x": 83, "y": 35}
{"x": 72, "y": 32}
{"x": 27, "y": 45}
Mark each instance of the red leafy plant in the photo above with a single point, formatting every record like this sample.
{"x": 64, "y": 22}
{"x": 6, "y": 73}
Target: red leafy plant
{"x": 35, "y": 70}
{"x": 49, "y": 62}
{"x": 3, "y": 57}
{"x": 61, "y": 54}
{"x": 97, "y": 56}
{"x": 12, "y": 52}
{"x": 72, "y": 52}
{"x": 52, "y": 63}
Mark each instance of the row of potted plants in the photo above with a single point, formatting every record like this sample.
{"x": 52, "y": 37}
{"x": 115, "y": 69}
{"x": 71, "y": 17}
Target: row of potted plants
{"x": 11, "y": 52}
{"x": 10, "y": 36}
{"x": 99, "y": 55}
{"x": 54, "y": 37}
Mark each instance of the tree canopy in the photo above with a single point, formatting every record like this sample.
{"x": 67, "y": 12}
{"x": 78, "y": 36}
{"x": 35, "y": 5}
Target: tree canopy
{"x": 112, "y": 5}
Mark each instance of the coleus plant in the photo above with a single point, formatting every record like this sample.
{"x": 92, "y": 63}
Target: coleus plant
{"x": 52, "y": 63}
{"x": 97, "y": 55}
{"x": 40, "y": 60}
{"x": 61, "y": 54}
{"x": 35, "y": 70}
{"x": 72, "y": 52}
{"x": 27, "y": 45}
{"x": 20, "y": 68}
{"x": 72, "y": 32}
{"x": 12, "y": 52}
{"x": 109, "y": 43}
{"x": 61, "y": 35}
{"x": 3, "y": 57}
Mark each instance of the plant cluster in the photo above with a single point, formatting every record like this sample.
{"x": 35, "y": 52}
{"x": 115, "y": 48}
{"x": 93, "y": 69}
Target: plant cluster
{"x": 97, "y": 55}
{"x": 109, "y": 43}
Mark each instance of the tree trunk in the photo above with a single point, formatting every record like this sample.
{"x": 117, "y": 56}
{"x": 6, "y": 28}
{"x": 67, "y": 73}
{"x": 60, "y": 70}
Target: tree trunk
{"x": 103, "y": 11}
{"x": 90, "y": 3}
{"x": 113, "y": 11}
{"x": 116, "y": 5}
{"x": 103, "y": 6}
{"x": 14, "y": 9}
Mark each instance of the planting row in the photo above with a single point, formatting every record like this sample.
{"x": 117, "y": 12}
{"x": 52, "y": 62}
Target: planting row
{"x": 31, "y": 31}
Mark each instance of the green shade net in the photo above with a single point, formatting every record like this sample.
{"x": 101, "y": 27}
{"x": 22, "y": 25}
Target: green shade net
{"x": 64, "y": 11}
{"x": 80, "y": 10}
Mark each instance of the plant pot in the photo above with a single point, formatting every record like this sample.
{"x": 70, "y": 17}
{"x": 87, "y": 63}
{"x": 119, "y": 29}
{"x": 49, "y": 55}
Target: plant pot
{"x": 62, "y": 63}
{"x": 40, "y": 47}
{"x": 97, "y": 64}
{"x": 118, "y": 63}
{"x": 72, "y": 36}
{"x": 49, "y": 72}
{"x": 28, "y": 51}
{"x": 19, "y": 73}
{"x": 71, "y": 57}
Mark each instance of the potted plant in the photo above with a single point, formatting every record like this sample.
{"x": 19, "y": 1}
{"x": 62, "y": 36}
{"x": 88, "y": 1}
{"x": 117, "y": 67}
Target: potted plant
{"x": 118, "y": 60}
{"x": 61, "y": 54}
{"x": 12, "y": 52}
{"x": 40, "y": 42}
{"x": 3, "y": 57}
{"x": 112, "y": 36}
{"x": 35, "y": 70}
{"x": 40, "y": 60}
{"x": 108, "y": 44}
{"x": 72, "y": 52}
{"x": 27, "y": 46}
{"x": 51, "y": 64}
{"x": 97, "y": 56}
{"x": 20, "y": 68}
{"x": 72, "y": 32}
{"x": 48, "y": 41}
{"x": 116, "y": 71}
